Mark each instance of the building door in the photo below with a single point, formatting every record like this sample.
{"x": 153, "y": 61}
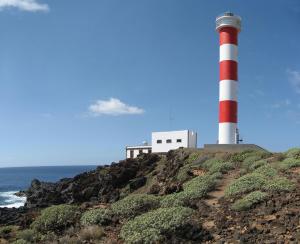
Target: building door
{"x": 131, "y": 153}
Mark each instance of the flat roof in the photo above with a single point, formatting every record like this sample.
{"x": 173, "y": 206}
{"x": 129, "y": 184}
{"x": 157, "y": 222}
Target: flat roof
{"x": 139, "y": 147}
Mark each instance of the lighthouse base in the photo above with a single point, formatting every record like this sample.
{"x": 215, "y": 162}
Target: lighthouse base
{"x": 232, "y": 147}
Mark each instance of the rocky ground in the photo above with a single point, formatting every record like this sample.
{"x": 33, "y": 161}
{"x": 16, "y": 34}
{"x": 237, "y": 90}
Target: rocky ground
{"x": 203, "y": 185}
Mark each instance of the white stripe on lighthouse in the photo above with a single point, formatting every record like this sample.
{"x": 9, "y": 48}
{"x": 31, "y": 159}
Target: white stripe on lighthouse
{"x": 228, "y": 90}
{"x": 227, "y": 133}
{"x": 228, "y": 52}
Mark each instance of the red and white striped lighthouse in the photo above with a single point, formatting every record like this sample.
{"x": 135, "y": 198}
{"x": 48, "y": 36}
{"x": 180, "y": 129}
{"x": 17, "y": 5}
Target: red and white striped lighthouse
{"x": 228, "y": 26}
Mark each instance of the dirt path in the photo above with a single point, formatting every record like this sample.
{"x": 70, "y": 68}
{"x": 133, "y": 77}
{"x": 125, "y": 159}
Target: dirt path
{"x": 214, "y": 196}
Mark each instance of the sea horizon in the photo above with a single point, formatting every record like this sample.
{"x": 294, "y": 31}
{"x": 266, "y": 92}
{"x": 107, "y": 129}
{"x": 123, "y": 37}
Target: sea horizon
{"x": 15, "y": 179}
{"x": 61, "y": 165}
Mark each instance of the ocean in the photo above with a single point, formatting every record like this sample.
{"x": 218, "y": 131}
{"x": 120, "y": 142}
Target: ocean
{"x": 13, "y": 180}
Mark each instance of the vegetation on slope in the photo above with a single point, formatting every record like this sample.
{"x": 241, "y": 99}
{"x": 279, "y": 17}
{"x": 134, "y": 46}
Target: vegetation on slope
{"x": 169, "y": 214}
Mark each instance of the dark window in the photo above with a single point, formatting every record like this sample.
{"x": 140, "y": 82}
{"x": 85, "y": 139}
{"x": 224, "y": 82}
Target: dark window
{"x": 159, "y": 141}
{"x": 149, "y": 151}
{"x": 169, "y": 141}
{"x": 131, "y": 154}
{"x": 179, "y": 140}
{"x": 140, "y": 151}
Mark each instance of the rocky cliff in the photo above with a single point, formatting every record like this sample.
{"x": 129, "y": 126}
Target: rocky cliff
{"x": 186, "y": 196}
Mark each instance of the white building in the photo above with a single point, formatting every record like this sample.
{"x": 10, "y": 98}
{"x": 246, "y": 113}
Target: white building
{"x": 163, "y": 142}
{"x": 134, "y": 151}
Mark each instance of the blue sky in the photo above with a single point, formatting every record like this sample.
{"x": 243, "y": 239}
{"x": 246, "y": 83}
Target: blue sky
{"x": 80, "y": 80}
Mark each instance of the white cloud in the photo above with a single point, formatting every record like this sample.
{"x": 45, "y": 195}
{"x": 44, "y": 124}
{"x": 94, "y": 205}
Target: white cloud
{"x": 114, "y": 107}
{"x": 24, "y": 5}
{"x": 281, "y": 104}
{"x": 294, "y": 79}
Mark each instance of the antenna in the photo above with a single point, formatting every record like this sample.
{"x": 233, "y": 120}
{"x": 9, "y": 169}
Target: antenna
{"x": 171, "y": 118}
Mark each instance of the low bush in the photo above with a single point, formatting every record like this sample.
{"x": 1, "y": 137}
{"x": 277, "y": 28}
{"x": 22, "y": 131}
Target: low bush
{"x": 193, "y": 157}
{"x": 246, "y": 164}
{"x": 29, "y": 235}
{"x": 91, "y": 233}
{"x": 249, "y": 200}
{"x": 100, "y": 216}
{"x": 289, "y": 163}
{"x": 215, "y": 165}
{"x": 21, "y": 241}
{"x": 246, "y": 183}
{"x": 238, "y": 157}
{"x": 257, "y": 164}
{"x": 152, "y": 226}
{"x": 211, "y": 162}
{"x": 184, "y": 172}
{"x": 293, "y": 153}
{"x": 195, "y": 188}
{"x": 174, "y": 200}
{"x": 8, "y": 231}
{"x": 279, "y": 184}
{"x": 67, "y": 239}
{"x": 199, "y": 186}
{"x": 135, "y": 204}
{"x": 221, "y": 167}
{"x": 266, "y": 170}
{"x": 56, "y": 218}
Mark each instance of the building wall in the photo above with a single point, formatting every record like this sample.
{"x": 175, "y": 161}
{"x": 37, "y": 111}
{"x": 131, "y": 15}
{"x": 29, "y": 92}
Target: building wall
{"x": 136, "y": 151}
{"x": 192, "y": 139}
{"x": 188, "y": 139}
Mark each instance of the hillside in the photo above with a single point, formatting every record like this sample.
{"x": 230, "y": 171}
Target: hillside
{"x": 186, "y": 196}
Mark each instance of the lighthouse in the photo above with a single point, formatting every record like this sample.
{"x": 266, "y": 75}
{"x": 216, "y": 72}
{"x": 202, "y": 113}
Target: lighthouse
{"x": 228, "y": 26}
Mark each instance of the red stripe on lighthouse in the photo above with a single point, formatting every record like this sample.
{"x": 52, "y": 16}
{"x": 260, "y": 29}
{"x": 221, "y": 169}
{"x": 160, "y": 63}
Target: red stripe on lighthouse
{"x": 228, "y": 70}
{"x": 228, "y": 35}
{"x": 228, "y": 111}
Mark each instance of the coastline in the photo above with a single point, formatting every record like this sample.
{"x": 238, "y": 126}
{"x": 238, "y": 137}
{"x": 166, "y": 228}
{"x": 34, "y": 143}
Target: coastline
{"x": 12, "y": 199}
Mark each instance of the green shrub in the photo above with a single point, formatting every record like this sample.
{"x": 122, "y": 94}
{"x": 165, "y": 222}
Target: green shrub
{"x": 249, "y": 200}
{"x": 56, "y": 218}
{"x": 238, "y": 157}
{"x": 215, "y": 165}
{"x": 257, "y": 164}
{"x": 29, "y": 235}
{"x": 91, "y": 233}
{"x": 293, "y": 153}
{"x": 249, "y": 161}
{"x": 8, "y": 231}
{"x": 135, "y": 204}
{"x": 246, "y": 183}
{"x": 152, "y": 226}
{"x": 211, "y": 162}
{"x": 21, "y": 241}
{"x": 193, "y": 157}
{"x": 67, "y": 239}
{"x": 199, "y": 186}
{"x": 221, "y": 167}
{"x": 289, "y": 163}
{"x": 99, "y": 216}
{"x": 174, "y": 200}
{"x": 279, "y": 184}
{"x": 183, "y": 173}
{"x": 195, "y": 188}
{"x": 266, "y": 170}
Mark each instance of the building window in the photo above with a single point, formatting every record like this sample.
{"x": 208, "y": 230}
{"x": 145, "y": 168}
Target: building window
{"x": 178, "y": 140}
{"x": 140, "y": 151}
{"x": 131, "y": 153}
{"x": 149, "y": 151}
{"x": 169, "y": 141}
{"x": 159, "y": 141}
